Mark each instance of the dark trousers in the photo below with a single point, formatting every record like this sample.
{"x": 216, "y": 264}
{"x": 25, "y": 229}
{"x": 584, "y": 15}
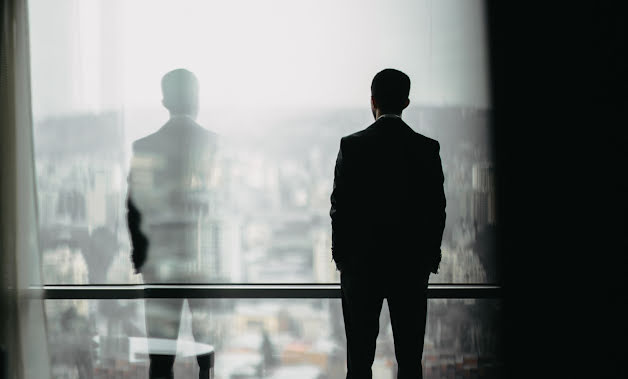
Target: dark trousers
{"x": 163, "y": 317}
{"x": 362, "y": 298}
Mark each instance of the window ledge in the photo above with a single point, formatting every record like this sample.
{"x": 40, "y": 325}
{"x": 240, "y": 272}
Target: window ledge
{"x": 242, "y": 291}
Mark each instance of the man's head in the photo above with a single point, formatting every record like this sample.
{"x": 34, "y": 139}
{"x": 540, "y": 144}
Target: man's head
{"x": 389, "y": 92}
{"x": 180, "y": 93}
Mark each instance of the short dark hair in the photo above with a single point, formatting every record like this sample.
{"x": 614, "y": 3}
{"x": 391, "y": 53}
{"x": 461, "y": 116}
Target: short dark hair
{"x": 180, "y": 90}
{"x": 390, "y": 88}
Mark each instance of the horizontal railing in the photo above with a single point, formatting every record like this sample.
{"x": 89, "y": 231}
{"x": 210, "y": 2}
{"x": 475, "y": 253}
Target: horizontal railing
{"x": 243, "y": 291}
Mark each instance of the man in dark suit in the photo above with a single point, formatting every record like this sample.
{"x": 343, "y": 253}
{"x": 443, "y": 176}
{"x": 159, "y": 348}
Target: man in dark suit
{"x": 169, "y": 203}
{"x": 388, "y": 216}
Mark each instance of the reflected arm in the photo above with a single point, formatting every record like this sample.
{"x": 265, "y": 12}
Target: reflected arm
{"x": 139, "y": 242}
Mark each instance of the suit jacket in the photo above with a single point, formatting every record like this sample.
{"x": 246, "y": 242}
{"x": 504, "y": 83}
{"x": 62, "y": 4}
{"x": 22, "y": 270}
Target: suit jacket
{"x": 170, "y": 188}
{"x": 388, "y": 203}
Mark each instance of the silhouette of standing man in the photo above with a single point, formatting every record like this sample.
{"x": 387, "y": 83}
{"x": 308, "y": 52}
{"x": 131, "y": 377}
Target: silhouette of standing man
{"x": 169, "y": 206}
{"x": 388, "y": 215}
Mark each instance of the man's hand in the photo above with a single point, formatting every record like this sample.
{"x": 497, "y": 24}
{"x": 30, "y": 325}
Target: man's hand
{"x": 434, "y": 263}
{"x": 138, "y": 252}
{"x": 339, "y": 266}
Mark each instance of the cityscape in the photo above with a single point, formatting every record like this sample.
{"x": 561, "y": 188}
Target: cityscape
{"x": 270, "y": 224}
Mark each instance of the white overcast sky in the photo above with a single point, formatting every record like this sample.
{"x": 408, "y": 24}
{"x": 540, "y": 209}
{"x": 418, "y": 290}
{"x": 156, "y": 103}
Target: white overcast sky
{"x": 255, "y": 53}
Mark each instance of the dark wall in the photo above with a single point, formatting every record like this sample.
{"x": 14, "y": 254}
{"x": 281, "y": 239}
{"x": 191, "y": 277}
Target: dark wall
{"x": 560, "y": 99}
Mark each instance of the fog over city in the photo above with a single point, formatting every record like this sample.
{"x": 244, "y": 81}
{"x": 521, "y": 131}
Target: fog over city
{"x": 280, "y": 83}
{"x": 98, "y": 55}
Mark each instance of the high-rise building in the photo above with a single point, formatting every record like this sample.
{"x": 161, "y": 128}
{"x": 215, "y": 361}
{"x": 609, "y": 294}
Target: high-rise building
{"x": 483, "y": 196}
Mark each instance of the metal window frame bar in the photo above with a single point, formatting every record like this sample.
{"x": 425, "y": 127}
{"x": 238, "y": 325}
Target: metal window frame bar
{"x": 242, "y": 291}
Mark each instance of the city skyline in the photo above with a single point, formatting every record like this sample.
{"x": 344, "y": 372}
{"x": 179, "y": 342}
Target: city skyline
{"x": 269, "y": 187}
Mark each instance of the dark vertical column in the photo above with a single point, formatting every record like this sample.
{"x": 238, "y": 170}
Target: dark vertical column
{"x": 560, "y": 98}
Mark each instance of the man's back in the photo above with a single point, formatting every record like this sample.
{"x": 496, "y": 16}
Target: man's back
{"x": 170, "y": 184}
{"x": 387, "y": 217}
{"x": 388, "y": 201}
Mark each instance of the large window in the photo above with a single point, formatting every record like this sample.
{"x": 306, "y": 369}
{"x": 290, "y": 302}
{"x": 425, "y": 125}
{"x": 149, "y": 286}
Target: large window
{"x": 280, "y": 83}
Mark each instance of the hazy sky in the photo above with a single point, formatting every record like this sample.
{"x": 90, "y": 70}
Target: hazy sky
{"x": 98, "y": 54}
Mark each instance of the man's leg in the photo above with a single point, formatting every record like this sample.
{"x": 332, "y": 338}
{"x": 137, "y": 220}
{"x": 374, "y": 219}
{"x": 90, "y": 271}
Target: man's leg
{"x": 361, "y": 306}
{"x": 163, "y": 317}
{"x": 199, "y": 309}
{"x": 407, "y": 303}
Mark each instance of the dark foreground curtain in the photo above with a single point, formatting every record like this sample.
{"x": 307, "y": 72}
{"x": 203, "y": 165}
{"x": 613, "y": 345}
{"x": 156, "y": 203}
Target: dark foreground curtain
{"x": 23, "y": 341}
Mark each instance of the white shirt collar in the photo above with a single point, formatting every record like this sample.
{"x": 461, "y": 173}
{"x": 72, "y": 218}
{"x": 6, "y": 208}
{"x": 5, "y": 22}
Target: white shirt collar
{"x": 389, "y": 115}
{"x": 180, "y": 117}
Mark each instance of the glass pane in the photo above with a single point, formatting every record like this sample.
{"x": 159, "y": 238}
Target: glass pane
{"x": 280, "y": 82}
{"x": 264, "y": 338}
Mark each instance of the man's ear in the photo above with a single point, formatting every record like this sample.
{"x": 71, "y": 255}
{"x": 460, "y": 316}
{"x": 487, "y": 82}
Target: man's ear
{"x": 406, "y": 103}
{"x": 374, "y": 107}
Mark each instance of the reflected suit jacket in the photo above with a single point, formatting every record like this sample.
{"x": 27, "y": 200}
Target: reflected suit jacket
{"x": 170, "y": 193}
{"x": 388, "y": 202}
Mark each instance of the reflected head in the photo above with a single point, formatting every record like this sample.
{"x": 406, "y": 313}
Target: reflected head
{"x": 389, "y": 91}
{"x": 180, "y": 92}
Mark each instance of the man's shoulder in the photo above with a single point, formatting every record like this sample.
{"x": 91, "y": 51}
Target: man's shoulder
{"x": 350, "y": 138}
{"x": 369, "y": 133}
{"x": 164, "y": 136}
{"x": 419, "y": 138}
{"x": 202, "y": 131}
{"x": 427, "y": 141}
{"x": 146, "y": 142}
{"x": 359, "y": 136}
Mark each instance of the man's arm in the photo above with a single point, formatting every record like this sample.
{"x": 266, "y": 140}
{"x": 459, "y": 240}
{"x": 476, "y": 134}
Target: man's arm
{"x": 438, "y": 214}
{"x": 337, "y": 207}
{"x": 139, "y": 242}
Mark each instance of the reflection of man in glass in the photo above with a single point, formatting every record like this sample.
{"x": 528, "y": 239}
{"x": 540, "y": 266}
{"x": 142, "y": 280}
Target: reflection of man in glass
{"x": 169, "y": 210}
{"x": 388, "y": 216}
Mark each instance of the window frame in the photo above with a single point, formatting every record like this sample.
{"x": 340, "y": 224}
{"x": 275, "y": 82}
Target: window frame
{"x": 243, "y": 291}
